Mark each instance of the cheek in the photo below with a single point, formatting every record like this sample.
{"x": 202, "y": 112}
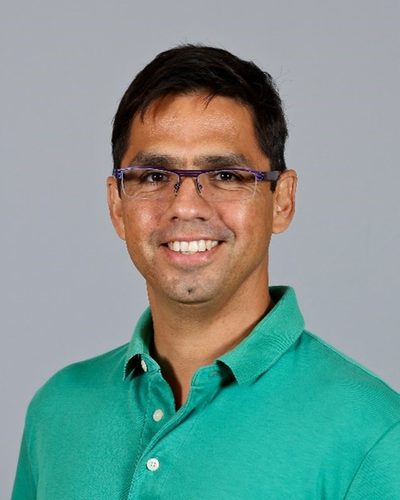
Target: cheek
{"x": 140, "y": 224}
{"x": 252, "y": 220}
{"x": 140, "y": 219}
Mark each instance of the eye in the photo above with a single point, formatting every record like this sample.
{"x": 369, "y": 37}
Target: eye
{"x": 154, "y": 176}
{"x": 227, "y": 176}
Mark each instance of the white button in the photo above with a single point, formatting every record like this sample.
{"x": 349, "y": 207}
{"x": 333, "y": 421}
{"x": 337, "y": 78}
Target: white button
{"x": 158, "y": 415}
{"x": 143, "y": 365}
{"x": 153, "y": 464}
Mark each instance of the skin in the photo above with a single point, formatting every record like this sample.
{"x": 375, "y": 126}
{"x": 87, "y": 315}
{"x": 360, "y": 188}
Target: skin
{"x": 205, "y": 303}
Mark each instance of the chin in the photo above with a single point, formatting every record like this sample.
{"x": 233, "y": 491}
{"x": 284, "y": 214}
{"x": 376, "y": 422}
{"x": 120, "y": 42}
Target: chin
{"x": 190, "y": 294}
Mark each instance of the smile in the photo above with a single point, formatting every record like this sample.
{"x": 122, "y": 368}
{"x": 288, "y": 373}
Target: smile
{"x": 190, "y": 247}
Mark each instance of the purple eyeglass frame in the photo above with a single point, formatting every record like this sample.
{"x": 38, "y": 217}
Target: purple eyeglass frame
{"x": 259, "y": 175}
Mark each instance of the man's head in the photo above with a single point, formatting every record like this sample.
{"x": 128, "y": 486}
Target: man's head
{"x": 190, "y": 69}
{"x": 198, "y": 109}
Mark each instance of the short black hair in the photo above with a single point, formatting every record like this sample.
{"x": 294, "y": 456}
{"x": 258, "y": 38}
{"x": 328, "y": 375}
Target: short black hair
{"x": 188, "y": 69}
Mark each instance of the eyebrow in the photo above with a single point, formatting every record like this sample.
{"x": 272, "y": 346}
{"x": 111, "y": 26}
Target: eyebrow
{"x": 155, "y": 160}
{"x": 223, "y": 160}
{"x": 203, "y": 161}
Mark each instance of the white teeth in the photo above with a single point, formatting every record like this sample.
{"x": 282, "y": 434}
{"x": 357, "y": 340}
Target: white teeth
{"x": 193, "y": 246}
{"x": 211, "y": 244}
{"x": 189, "y": 247}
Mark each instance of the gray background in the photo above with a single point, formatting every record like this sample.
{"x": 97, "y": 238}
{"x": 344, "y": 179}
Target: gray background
{"x": 69, "y": 290}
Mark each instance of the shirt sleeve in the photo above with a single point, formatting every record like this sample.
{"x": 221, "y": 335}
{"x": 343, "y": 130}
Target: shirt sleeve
{"x": 24, "y": 485}
{"x": 379, "y": 474}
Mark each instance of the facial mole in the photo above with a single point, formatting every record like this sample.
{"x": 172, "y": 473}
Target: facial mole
{"x": 190, "y": 291}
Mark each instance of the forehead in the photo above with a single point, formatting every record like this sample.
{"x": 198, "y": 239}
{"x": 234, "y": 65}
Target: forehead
{"x": 189, "y": 125}
{"x": 201, "y": 104}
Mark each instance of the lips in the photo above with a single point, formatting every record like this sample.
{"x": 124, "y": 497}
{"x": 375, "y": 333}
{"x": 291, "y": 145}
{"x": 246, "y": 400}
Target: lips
{"x": 191, "y": 247}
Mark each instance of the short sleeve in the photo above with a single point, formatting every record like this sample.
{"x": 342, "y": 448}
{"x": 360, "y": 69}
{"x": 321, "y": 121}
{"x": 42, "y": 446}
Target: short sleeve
{"x": 24, "y": 485}
{"x": 379, "y": 475}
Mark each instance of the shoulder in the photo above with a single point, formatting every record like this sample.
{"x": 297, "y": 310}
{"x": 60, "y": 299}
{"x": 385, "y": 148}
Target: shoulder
{"x": 99, "y": 368}
{"x": 378, "y": 475}
{"x": 347, "y": 384}
{"x": 354, "y": 413}
{"x": 78, "y": 382}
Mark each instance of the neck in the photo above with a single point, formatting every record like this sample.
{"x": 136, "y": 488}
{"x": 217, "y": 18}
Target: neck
{"x": 189, "y": 336}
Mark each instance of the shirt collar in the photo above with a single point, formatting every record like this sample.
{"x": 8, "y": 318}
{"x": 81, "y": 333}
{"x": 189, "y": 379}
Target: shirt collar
{"x": 140, "y": 342}
{"x": 267, "y": 342}
{"x": 270, "y": 338}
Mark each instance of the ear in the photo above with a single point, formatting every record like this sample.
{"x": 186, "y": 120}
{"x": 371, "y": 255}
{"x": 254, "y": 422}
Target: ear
{"x": 284, "y": 201}
{"x": 115, "y": 207}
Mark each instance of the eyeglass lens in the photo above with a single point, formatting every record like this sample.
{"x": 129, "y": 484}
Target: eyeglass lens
{"x": 217, "y": 185}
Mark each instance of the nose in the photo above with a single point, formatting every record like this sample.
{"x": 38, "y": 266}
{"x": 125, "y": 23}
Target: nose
{"x": 188, "y": 204}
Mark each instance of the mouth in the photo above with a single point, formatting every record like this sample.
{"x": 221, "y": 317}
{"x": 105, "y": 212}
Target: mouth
{"x": 191, "y": 247}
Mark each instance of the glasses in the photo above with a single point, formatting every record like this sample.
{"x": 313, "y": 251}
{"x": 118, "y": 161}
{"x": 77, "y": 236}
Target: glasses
{"x": 220, "y": 184}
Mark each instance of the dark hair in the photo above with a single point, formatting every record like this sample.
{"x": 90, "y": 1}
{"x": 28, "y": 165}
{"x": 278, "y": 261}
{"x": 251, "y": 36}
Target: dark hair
{"x": 194, "y": 68}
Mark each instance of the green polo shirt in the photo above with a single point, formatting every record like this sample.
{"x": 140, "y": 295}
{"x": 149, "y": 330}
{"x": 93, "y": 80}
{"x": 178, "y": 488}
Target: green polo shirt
{"x": 281, "y": 416}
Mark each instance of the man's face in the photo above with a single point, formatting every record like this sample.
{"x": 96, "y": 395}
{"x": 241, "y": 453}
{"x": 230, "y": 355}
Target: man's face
{"x": 185, "y": 132}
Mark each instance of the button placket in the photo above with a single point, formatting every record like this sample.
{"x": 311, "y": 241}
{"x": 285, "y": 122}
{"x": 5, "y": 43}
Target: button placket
{"x": 158, "y": 409}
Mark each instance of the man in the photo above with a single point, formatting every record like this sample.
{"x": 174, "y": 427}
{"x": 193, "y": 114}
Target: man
{"x": 221, "y": 392}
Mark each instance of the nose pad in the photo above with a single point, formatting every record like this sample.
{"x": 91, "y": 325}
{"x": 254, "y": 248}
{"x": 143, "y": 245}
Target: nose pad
{"x": 179, "y": 183}
{"x": 199, "y": 186}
